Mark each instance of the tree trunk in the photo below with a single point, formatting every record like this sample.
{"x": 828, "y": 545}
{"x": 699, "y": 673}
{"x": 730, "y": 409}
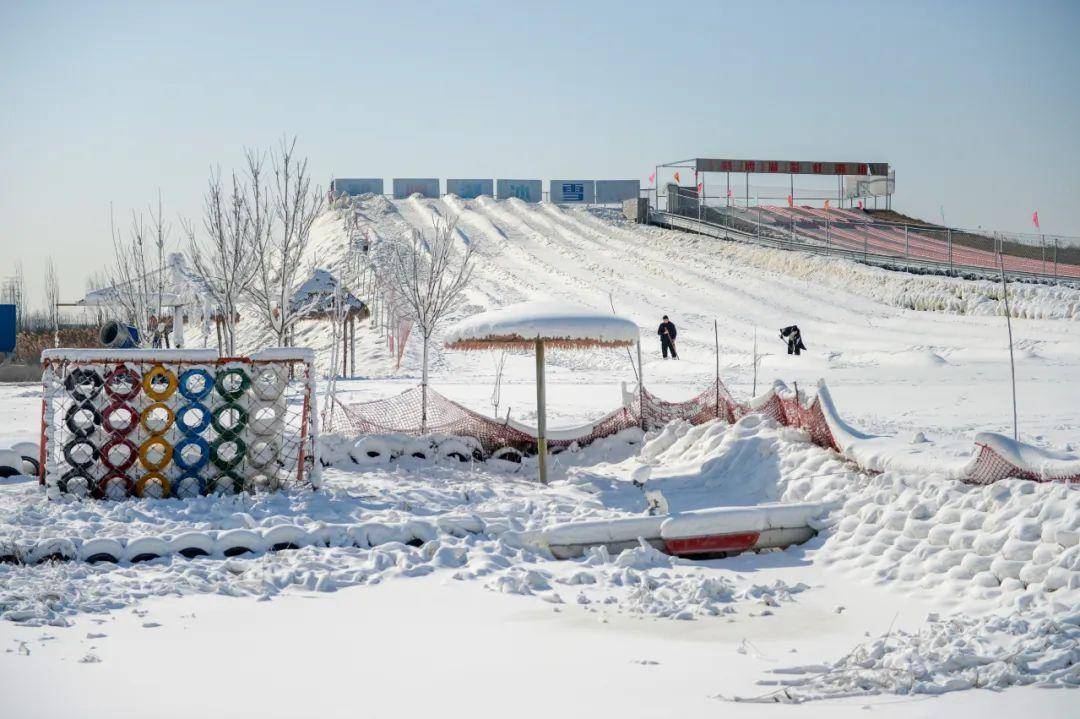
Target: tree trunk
{"x": 423, "y": 387}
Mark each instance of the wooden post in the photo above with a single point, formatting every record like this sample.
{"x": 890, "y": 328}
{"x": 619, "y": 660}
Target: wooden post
{"x": 352, "y": 345}
{"x": 641, "y": 385}
{"x": 344, "y": 346}
{"x": 716, "y": 338}
{"x": 541, "y": 422}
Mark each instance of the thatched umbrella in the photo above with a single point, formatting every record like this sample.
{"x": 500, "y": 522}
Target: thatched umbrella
{"x": 537, "y": 325}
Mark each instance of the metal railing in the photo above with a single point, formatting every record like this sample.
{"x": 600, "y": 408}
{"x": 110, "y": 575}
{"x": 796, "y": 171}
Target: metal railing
{"x": 837, "y": 239}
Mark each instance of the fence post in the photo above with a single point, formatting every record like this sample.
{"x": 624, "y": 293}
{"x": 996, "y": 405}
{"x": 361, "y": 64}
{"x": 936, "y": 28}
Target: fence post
{"x": 1055, "y": 261}
{"x": 641, "y": 386}
{"x": 905, "y": 242}
{"x": 949, "y": 233}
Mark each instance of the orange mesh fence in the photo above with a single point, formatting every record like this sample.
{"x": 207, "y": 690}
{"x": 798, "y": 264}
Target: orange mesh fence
{"x": 402, "y": 415}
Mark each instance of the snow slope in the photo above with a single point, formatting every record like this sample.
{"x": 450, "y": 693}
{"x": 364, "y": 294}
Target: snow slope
{"x": 916, "y": 585}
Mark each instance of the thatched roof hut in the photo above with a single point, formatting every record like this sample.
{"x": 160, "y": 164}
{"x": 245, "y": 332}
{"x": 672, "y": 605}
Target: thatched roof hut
{"x": 536, "y": 325}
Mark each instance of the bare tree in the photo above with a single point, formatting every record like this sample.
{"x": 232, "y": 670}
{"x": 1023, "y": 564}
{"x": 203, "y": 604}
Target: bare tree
{"x": 137, "y": 275}
{"x": 280, "y": 227}
{"x": 52, "y": 299}
{"x": 427, "y": 278}
{"x": 224, "y": 255}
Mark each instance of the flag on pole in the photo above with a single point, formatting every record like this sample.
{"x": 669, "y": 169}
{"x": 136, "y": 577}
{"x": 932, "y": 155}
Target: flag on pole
{"x": 700, "y": 187}
{"x": 1035, "y": 219}
{"x": 652, "y": 177}
{"x": 677, "y": 180}
{"x": 790, "y": 201}
{"x": 729, "y": 192}
{"x": 860, "y": 204}
{"x": 826, "y": 204}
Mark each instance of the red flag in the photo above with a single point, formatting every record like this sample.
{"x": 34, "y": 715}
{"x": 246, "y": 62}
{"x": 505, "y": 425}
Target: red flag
{"x": 1035, "y": 219}
{"x": 700, "y": 187}
{"x": 677, "y": 180}
{"x": 826, "y": 204}
{"x": 860, "y": 204}
{"x": 790, "y": 201}
{"x": 729, "y": 192}
{"x": 652, "y": 177}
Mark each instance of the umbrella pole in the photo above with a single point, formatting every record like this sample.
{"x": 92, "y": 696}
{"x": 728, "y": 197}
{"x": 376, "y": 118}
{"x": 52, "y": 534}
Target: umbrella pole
{"x": 541, "y": 440}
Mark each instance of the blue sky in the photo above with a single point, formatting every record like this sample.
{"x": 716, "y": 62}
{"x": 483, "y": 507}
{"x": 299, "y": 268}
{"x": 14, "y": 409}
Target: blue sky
{"x": 975, "y": 104}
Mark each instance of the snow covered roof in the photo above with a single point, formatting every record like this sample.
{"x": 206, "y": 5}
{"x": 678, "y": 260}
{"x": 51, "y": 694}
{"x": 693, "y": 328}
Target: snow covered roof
{"x": 558, "y": 324}
{"x": 182, "y": 287}
{"x": 316, "y": 296}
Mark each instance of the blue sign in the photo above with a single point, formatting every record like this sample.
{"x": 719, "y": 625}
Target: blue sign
{"x": 573, "y": 192}
{"x": 7, "y": 328}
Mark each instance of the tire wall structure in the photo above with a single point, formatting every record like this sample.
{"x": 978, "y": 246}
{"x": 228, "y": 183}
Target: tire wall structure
{"x": 179, "y": 423}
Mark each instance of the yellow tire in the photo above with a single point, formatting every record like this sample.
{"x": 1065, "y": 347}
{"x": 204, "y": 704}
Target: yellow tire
{"x": 156, "y": 373}
{"x": 153, "y": 485}
{"x": 166, "y": 454}
{"x": 170, "y": 418}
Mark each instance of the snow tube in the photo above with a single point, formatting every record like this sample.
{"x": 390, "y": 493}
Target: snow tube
{"x": 114, "y": 486}
{"x": 125, "y": 460}
{"x": 123, "y": 383}
{"x": 153, "y": 485}
{"x": 232, "y": 383}
{"x": 268, "y": 383}
{"x": 111, "y": 418}
{"x": 154, "y": 463}
{"x": 193, "y": 427}
{"x": 181, "y": 454}
{"x": 83, "y": 383}
{"x": 196, "y": 383}
{"x": 157, "y": 418}
{"x": 117, "y": 335}
{"x": 226, "y": 483}
{"x": 189, "y": 485}
{"x": 220, "y": 460}
{"x": 77, "y": 483}
{"x": 229, "y": 420}
{"x": 80, "y": 459}
{"x": 159, "y": 383}
{"x": 265, "y": 418}
{"x": 82, "y": 419}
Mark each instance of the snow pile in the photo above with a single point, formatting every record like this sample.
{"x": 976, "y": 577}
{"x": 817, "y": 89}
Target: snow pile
{"x": 946, "y": 655}
{"x": 641, "y": 581}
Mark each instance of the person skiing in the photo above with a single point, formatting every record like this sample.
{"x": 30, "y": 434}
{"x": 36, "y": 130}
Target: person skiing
{"x": 667, "y": 334}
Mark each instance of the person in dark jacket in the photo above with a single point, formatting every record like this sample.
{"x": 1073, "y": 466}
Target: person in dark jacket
{"x": 667, "y": 334}
{"x": 793, "y": 337}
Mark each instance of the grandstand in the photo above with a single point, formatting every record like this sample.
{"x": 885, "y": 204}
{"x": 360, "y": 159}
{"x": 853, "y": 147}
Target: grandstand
{"x": 848, "y": 231}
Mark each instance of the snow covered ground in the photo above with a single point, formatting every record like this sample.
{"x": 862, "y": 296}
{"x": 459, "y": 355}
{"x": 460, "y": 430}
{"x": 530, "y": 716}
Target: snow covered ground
{"x": 916, "y": 584}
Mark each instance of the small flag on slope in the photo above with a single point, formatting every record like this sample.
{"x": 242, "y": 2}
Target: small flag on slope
{"x": 1035, "y": 219}
{"x": 677, "y": 180}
